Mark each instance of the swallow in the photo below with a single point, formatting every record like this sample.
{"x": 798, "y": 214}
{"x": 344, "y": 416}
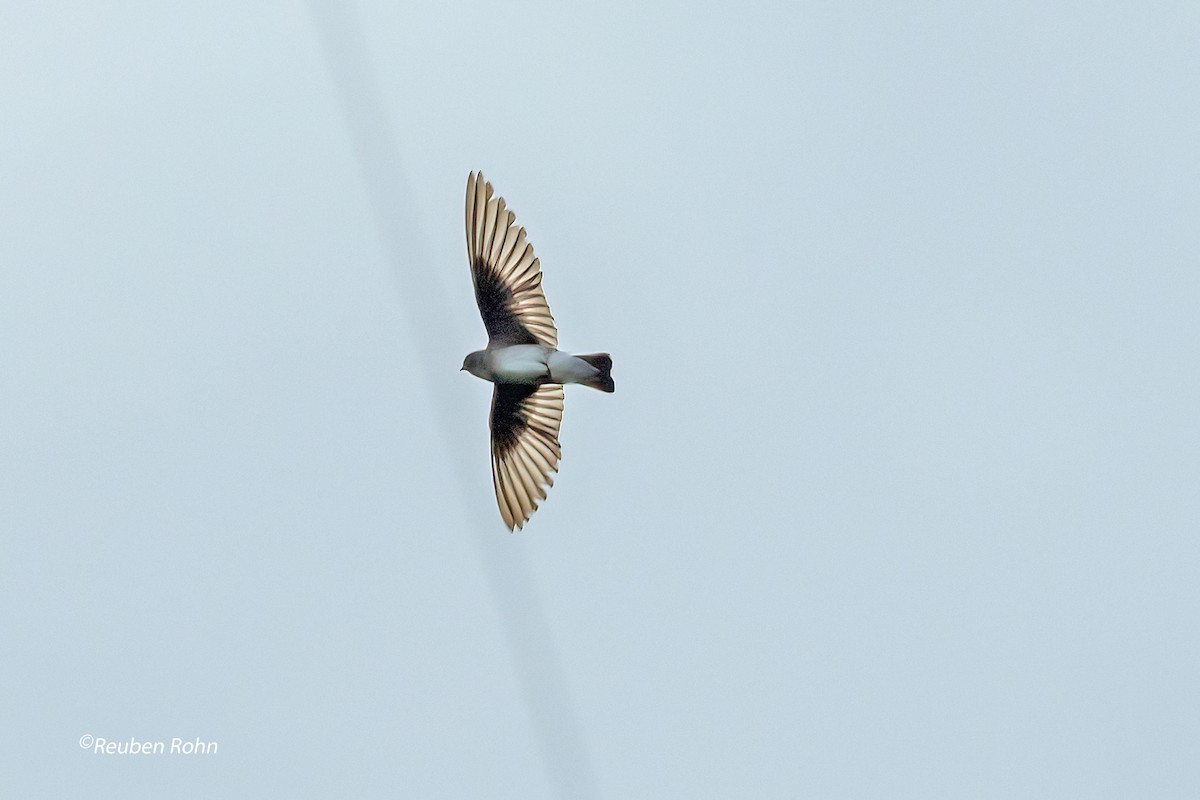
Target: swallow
{"x": 522, "y": 358}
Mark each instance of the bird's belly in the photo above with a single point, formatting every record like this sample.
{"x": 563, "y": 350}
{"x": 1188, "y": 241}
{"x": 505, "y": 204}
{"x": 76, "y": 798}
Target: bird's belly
{"x": 566, "y": 368}
{"x": 520, "y": 363}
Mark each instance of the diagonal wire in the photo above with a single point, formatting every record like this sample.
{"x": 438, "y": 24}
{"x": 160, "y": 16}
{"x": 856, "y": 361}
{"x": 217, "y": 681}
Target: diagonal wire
{"x": 508, "y": 576}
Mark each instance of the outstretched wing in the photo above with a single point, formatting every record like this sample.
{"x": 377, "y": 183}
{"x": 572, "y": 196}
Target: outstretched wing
{"x": 525, "y": 449}
{"x": 507, "y": 275}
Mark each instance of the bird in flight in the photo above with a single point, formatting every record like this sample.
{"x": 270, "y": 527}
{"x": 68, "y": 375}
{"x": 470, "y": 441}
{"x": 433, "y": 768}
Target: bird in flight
{"x": 522, "y": 357}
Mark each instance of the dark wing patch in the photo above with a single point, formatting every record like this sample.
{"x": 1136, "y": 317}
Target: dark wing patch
{"x": 495, "y": 300}
{"x": 525, "y": 450}
{"x": 506, "y": 274}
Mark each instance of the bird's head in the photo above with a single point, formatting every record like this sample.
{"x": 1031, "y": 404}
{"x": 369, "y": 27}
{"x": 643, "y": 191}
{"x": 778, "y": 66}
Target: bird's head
{"x": 474, "y": 364}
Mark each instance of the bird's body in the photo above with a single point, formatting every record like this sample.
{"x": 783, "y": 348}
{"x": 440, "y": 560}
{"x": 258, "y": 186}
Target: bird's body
{"x": 533, "y": 364}
{"x": 522, "y": 358}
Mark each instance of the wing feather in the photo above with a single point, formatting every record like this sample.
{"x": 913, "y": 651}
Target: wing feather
{"x": 506, "y": 273}
{"x": 525, "y": 449}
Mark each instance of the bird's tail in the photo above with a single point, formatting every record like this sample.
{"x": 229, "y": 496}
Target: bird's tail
{"x": 602, "y": 380}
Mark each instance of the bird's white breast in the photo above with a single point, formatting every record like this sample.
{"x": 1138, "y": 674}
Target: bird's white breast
{"x": 519, "y": 363}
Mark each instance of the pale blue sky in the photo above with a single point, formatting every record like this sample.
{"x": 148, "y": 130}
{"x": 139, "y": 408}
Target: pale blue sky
{"x": 897, "y": 495}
